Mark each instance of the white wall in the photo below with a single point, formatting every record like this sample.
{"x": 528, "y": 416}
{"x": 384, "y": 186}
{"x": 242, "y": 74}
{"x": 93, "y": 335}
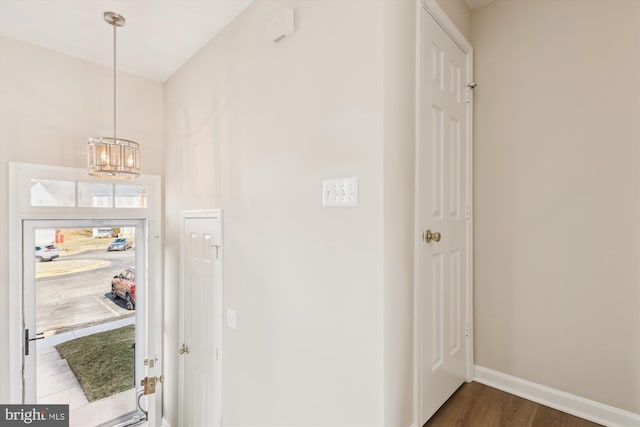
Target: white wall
{"x": 557, "y": 195}
{"x": 459, "y": 13}
{"x": 49, "y": 105}
{"x": 399, "y": 43}
{"x": 253, "y": 128}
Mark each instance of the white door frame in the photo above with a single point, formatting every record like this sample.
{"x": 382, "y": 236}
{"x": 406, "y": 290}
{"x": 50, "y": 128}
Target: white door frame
{"x": 217, "y": 307}
{"x": 20, "y": 209}
{"x": 433, "y": 9}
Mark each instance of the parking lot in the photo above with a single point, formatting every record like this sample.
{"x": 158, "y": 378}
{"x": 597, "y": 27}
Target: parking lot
{"x": 78, "y": 298}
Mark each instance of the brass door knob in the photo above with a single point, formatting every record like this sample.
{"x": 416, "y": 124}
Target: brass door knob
{"x": 428, "y": 236}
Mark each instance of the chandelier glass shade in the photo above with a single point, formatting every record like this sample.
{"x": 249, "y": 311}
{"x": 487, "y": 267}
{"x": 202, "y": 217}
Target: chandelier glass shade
{"x": 112, "y": 157}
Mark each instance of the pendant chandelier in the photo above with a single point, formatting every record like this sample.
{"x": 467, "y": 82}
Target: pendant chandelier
{"x": 113, "y": 157}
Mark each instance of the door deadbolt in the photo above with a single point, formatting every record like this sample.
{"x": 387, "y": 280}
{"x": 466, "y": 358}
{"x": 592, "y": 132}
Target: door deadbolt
{"x": 428, "y": 236}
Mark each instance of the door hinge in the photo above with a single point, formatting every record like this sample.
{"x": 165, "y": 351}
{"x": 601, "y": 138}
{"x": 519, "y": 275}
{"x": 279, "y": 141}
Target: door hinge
{"x": 184, "y": 349}
{"x": 217, "y": 250}
{"x": 149, "y": 384}
{"x": 468, "y": 330}
{"x": 217, "y": 355}
{"x": 469, "y": 91}
{"x": 467, "y": 213}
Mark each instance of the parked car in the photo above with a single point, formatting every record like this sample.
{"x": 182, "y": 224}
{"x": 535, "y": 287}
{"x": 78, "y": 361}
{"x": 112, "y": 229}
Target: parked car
{"x": 46, "y": 253}
{"x": 123, "y": 285}
{"x": 120, "y": 244}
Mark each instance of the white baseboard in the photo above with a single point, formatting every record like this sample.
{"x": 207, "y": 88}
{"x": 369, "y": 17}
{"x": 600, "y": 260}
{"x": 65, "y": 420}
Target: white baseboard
{"x": 165, "y": 423}
{"x": 575, "y": 405}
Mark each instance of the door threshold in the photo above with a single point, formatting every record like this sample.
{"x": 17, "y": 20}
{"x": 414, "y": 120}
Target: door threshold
{"x": 134, "y": 418}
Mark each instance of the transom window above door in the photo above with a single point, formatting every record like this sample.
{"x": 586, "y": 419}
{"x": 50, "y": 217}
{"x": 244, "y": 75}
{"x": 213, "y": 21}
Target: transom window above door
{"x": 62, "y": 193}
{"x": 45, "y": 190}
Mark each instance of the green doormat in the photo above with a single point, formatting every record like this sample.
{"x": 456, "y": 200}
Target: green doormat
{"x": 103, "y": 362}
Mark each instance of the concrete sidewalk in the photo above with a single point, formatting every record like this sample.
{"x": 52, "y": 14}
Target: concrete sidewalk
{"x": 58, "y": 385}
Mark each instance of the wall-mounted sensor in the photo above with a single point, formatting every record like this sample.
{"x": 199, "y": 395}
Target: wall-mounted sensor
{"x": 282, "y": 25}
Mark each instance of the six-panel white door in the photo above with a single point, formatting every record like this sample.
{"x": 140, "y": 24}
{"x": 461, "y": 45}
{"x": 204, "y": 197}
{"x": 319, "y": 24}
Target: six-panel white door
{"x": 442, "y": 208}
{"x": 200, "y": 385}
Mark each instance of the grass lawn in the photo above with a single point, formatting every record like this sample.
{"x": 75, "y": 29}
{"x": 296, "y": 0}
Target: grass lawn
{"x": 102, "y": 363}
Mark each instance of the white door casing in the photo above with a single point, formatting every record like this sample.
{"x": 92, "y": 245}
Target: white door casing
{"x": 443, "y": 205}
{"x": 200, "y": 354}
{"x": 148, "y": 223}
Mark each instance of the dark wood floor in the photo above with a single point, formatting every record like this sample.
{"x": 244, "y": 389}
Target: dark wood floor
{"x": 477, "y": 405}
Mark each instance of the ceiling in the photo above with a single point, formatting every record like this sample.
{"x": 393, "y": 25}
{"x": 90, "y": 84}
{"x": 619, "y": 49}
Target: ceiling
{"x": 159, "y": 35}
{"x": 158, "y": 38}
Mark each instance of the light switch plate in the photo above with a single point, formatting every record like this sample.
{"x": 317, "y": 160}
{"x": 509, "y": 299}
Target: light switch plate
{"x": 340, "y": 192}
